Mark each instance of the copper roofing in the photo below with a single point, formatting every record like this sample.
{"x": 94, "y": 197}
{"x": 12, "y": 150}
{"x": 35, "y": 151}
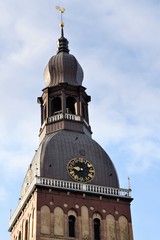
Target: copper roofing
{"x": 63, "y": 67}
{"x": 57, "y": 149}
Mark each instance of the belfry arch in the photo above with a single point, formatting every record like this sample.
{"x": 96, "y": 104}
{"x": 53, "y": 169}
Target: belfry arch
{"x": 71, "y": 105}
{"x": 56, "y": 106}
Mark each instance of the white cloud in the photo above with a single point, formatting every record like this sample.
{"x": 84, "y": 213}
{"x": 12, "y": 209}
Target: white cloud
{"x": 125, "y": 114}
{"x": 123, "y": 63}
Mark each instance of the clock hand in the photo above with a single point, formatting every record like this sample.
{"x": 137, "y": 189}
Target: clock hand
{"x": 78, "y": 168}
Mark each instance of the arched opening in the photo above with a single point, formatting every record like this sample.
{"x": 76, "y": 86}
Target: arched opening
{"x": 83, "y": 111}
{"x": 19, "y": 236}
{"x": 123, "y": 228}
{"x": 30, "y": 226}
{"x": 56, "y": 106}
{"x": 59, "y": 222}
{"x": 110, "y": 227}
{"x": 71, "y": 105}
{"x": 32, "y": 223}
{"x": 26, "y": 230}
{"x": 96, "y": 229}
{"x": 23, "y": 229}
{"x": 45, "y": 222}
{"x": 44, "y": 113}
{"x": 71, "y": 225}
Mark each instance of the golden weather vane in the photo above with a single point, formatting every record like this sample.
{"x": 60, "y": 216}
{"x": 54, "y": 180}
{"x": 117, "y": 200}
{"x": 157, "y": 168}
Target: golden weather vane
{"x": 61, "y": 10}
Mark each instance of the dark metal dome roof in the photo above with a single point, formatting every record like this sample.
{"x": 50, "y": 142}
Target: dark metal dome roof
{"x": 63, "y": 67}
{"x": 58, "y": 149}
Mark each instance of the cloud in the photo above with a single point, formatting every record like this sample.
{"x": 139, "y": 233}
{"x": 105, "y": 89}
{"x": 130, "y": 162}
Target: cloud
{"x": 122, "y": 77}
{"x": 117, "y": 44}
{"x": 125, "y": 114}
{"x": 121, "y": 71}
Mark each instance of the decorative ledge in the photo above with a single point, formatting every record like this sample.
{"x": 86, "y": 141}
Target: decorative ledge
{"x": 66, "y": 185}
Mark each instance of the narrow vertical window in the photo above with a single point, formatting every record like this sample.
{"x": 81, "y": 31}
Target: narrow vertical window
{"x": 83, "y": 111}
{"x": 44, "y": 113}
{"x": 26, "y": 230}
{"x": 32, "y": 223}
{"x": 71, "y": 225}
{"x": 19, "y": 237}
{"x": 96, "y": 229}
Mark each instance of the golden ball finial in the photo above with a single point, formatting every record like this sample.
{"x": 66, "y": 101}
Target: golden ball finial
{"x": 61, "y": 24}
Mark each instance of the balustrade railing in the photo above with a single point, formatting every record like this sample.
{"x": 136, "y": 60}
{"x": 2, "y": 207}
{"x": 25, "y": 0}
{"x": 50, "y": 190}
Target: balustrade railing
{"x": 67, "y": 116}
{"x": 72, "y": 186}
{"x": 61, "y": 116}
{"x": 55, "y": 118}
{"x": 75, "y": 186}
{"x": 72, "y": 117}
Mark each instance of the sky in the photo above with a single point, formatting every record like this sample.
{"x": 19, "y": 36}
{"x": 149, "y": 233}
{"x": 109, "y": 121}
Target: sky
{"x": 117, "y": 44}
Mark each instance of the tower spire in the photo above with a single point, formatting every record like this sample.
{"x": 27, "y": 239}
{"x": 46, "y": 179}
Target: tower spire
{"x": 61, "y": 10}
{"x": 62, "y": 42}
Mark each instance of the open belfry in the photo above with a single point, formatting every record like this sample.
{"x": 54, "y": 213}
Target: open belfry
{"x": 71, "y": 189}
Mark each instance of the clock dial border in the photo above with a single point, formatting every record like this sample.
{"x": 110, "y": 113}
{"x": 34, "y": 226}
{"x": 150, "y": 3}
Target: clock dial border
{"x": 81, "y": 170}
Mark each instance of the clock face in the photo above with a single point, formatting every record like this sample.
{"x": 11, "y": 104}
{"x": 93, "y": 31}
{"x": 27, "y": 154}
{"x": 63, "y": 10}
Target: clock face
{"x": 80, "y": 169}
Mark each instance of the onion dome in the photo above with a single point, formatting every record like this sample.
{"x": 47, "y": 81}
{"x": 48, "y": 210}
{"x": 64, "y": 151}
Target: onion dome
{"x": 63, "y": 67}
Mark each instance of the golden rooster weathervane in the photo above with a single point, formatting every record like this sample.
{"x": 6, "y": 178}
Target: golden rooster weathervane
{"x": 61, "y": 10}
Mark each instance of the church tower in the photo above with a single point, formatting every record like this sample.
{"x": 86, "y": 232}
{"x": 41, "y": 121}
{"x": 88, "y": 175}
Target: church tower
{"x": 71, "y": 189}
